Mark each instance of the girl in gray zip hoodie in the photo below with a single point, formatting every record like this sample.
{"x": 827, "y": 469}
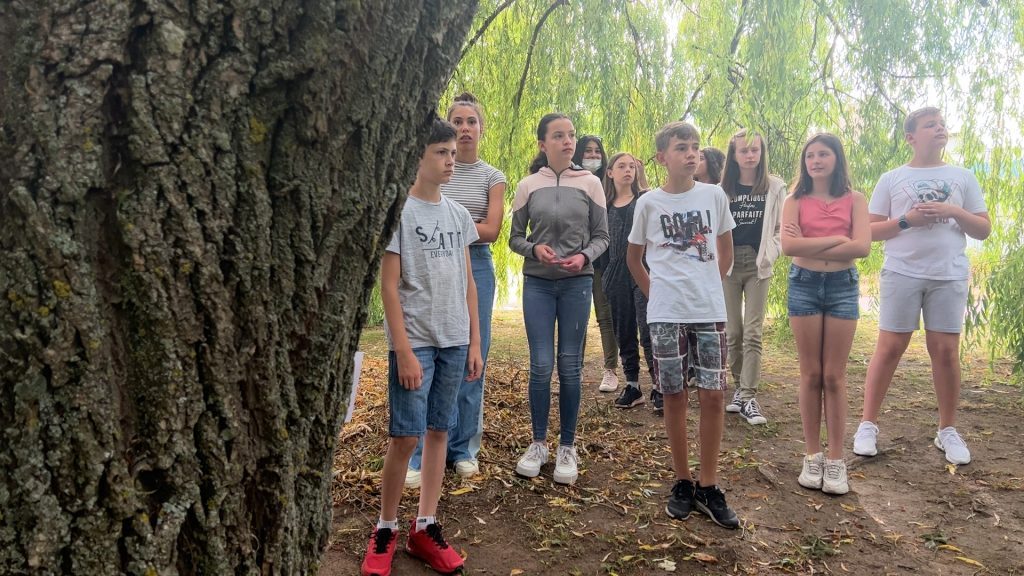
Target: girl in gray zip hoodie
{"x": 559, "y": 225}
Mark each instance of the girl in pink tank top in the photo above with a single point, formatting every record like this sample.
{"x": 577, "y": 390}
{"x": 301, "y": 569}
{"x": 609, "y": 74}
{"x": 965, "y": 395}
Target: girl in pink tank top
{"x": 825, "y": 228}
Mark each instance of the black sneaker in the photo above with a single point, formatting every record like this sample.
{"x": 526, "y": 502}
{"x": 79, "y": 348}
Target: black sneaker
{"x": 631, "y": 396}
{"x": 680, "y": 503}
{"x": 736, "y": 405}
{"x": 710, "y": 501}
{"x": 658, "y": 401}
{"x": 751, "y": 410}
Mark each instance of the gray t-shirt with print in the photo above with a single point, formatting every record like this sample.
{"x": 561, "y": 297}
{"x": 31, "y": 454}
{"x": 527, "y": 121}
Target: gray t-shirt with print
{"x": 431, "y": 240}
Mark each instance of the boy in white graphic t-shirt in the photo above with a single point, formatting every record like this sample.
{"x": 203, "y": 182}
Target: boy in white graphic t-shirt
{"x": 922, "y": 211}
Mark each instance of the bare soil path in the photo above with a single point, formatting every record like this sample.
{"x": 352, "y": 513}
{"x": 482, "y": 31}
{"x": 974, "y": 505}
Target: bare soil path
{"x": 908, "y": 512}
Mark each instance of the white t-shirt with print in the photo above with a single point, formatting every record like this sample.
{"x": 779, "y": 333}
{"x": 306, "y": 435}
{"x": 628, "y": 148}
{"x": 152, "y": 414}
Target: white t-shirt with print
{"x": 934, "y": 251}
{"x": 680, "y": 232}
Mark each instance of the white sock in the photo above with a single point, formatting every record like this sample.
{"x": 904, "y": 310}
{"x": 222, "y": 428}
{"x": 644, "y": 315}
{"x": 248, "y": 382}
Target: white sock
{"x": 423, "y": 521}
{"x": 633, "y": 384}
{"x": 389, "y": 524}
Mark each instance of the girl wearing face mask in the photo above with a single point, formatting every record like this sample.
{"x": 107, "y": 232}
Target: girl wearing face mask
{"x": 629, "y": 305}
{"x": 590, "y": 155}
{"x": 559, "y": 225}
{"x": 480, "y": 188}
{"x": 755, "y": 199}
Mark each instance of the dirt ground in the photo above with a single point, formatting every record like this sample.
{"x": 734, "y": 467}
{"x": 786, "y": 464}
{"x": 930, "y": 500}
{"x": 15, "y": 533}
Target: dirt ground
{"x": 907, "y": 512}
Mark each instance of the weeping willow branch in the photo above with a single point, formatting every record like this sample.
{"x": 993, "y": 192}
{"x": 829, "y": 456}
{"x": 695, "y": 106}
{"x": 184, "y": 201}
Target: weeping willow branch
{"x": 529, "y": 57}
{"x": 484, "y": 26}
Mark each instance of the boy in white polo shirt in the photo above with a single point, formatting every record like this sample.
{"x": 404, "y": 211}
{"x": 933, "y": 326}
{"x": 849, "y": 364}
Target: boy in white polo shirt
{"x": 923, "y": 211}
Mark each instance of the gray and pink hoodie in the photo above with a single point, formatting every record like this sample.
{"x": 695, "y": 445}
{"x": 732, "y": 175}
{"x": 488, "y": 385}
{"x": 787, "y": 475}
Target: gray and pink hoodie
{"x": 565, "y": 211}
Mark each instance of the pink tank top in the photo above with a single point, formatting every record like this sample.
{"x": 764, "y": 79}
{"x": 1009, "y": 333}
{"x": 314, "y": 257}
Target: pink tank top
{"x": 819, "y": 219}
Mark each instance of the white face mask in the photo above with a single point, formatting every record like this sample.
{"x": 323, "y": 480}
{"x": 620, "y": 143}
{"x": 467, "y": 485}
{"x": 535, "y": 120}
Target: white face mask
{"x": 592, "y": 164}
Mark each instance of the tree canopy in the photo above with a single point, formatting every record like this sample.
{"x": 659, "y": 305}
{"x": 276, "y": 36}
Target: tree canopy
{"x": 785, "y": 69}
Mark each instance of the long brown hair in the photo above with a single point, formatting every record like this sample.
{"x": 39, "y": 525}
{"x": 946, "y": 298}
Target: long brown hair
{"x": 840, "y": 183}
{"x": 609, "y": 184}
{"x": 731, "y": 174}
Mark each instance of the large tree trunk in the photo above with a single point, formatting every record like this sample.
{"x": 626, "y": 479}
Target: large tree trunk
{"x": 194, "y": 196}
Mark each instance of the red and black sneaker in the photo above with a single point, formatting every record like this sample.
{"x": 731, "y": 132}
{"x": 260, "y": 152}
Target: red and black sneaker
{"x": 380, "y": 552}
{"x": 430, "y": 546}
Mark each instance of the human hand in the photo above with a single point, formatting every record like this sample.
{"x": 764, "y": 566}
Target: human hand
{"x": 915, "y": 217}
{"x": 474, "y": 363}
{"x": 545, "y": 254}
{"x": 573, "y": 263}
{"x": 410, "y": 373}
{"x": 793, "y": 230}
{"x": 939, "y": 210}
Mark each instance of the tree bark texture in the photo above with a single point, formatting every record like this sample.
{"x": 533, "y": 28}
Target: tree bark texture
{"x": 194, "y": 199}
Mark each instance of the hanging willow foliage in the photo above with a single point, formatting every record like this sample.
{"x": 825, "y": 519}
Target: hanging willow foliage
{"x": 786, "y": 69}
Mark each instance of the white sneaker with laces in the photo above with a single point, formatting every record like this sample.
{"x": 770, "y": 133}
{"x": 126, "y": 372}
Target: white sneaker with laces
{"x": 810, "y": 476}
{"x": 566, "y": 465}
{"x": 736, "y": 404}
{"x": 865, "y": 441}
{"x": 535, "y": 457}
{"x": 412, "y": 478}
{"x": 610, "y": 381}
{"x": 467, "y": 468}
{"x": 834, "y": 479}
{"x": 949, "y": 441}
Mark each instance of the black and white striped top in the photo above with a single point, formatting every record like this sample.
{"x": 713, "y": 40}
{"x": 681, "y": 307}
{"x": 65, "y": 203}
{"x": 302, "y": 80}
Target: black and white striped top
{"x": 470, "y": 186}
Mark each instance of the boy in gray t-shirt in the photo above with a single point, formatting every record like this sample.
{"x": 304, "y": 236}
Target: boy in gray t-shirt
{"x": 430, "y": 313}
{"x": 923, "y": 211}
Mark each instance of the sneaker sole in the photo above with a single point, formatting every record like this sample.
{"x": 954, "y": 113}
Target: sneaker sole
{"x": 675, "y": 516}
{"x": 732, "y": 408}
{"x": 705, "y": 511}
{"x": 527, "y": 474}
{"x": 605, "y": 389}
{"x": 939, "y": 446}
{"x": 866, "y": 453}
{"x": 459, "y": 570}
{"x": 566, "y": 480}
{"x": 633, "y": 405}
{"x": 756, "y": 421}
{"x": 834, "y": 492}
{"x": 804, "y": 483}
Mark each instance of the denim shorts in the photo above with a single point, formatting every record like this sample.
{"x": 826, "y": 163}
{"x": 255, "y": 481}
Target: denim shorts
{"x": 834, "y": 294}
{"x": 412, "y": 412}
{"x": 682, "y": 351}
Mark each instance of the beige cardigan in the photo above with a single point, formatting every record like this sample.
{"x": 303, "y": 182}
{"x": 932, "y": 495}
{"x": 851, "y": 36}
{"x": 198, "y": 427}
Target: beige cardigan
{"x": 771, "y": 237}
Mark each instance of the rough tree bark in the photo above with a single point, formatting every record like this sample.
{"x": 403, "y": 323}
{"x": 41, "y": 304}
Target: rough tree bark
{"x": 193, "y": 199}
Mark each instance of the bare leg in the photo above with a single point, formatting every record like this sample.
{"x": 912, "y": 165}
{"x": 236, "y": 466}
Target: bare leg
{"x": 808, "y": 333}
{"x": 712, "y": 420}
{"x": 888, "y": 351}
{"x": 675, "y": 427}
{"x": 393, "y": 477}
{"x": 435, "y": 448}
{"x": 944, "y": 350}
{"x": 835, "y": 352}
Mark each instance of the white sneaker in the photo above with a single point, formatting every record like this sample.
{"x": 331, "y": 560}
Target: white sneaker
{"x": 865, "y": 441}
{"x": 610, "y": 382}
{"x": 467, "y": 468}
{"x": 412, "y": 478}
{"x": 535, "y": 457}
{"x": 736, "y": 404}
{"x": 953, "y": 445}
{"x": 810, "y": 476}
{"x": 565, "y": 465}
{"x": 834, "y": 480}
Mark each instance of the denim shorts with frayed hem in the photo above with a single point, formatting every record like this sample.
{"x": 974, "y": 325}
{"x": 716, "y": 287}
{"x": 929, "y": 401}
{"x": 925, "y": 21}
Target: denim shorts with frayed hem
{"x": 833, "y": 294}
{"x": 413, "y": 412}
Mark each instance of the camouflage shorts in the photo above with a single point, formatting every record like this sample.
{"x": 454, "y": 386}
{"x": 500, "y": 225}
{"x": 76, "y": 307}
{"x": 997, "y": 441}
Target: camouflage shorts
{"x": 684, "y": 351}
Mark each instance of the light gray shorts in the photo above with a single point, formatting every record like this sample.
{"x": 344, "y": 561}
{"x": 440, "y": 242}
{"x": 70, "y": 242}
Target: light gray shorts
{"x": 904, "y": 298}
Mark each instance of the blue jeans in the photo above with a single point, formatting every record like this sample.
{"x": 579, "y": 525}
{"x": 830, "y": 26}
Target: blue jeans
{"x": 545, "y": 303}
{"x": 413, "y": 412}
{"x": 467, "y": 424}
{"x": 833, "y": 294}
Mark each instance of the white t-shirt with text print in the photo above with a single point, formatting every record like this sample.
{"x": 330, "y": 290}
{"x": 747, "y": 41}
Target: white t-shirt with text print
{"x": 680, "y": 232}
